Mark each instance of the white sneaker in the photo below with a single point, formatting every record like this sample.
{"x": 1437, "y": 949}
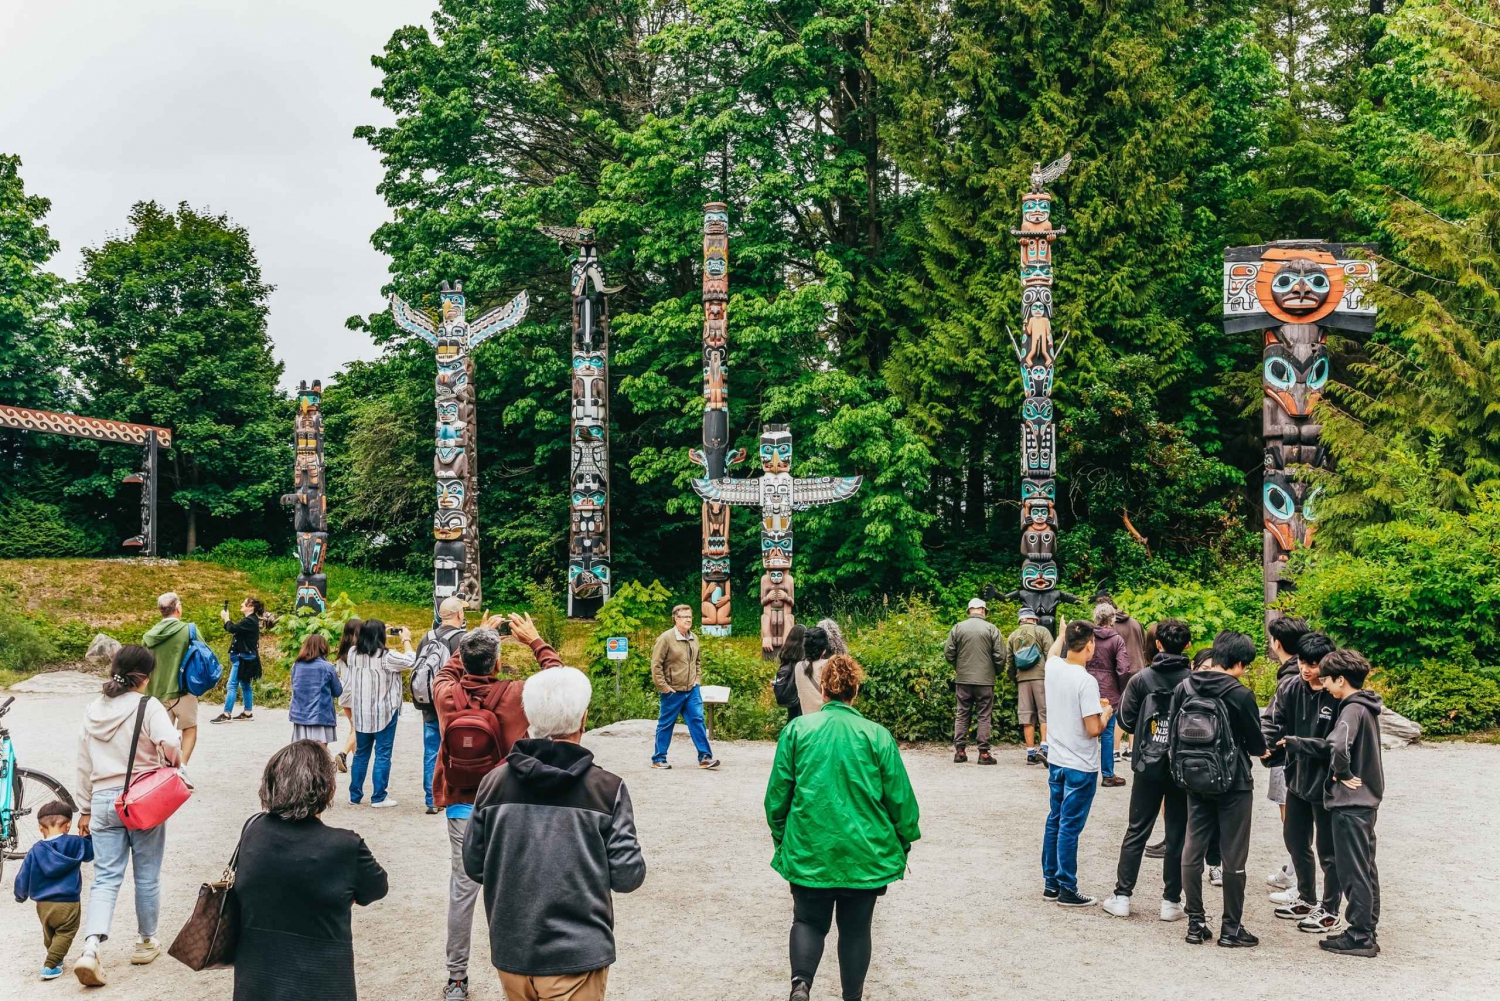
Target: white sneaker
{"x": 145, "y": 952}
{"x": 1117, "y": 906}
{"x": 1216, "y": 875}
{"x": 1283, "y": 897}
{"x": 1282, "y": 878}
{"x": 383, "y": 804}
{"x": 1172, "y": 911}
{"x": 88, "y": 969}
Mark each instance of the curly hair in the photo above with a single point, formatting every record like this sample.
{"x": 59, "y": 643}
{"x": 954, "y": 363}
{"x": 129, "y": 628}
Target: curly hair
{"x": 842, "y": 677}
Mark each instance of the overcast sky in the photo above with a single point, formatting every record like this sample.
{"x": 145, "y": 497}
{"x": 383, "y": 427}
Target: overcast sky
{"x": 244, "y": 107}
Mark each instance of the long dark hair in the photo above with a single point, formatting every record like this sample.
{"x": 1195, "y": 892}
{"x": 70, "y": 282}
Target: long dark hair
{"x": 371, "y": 638}
{"x": 350, "y": 637}
{"x": 814, "y": 647}
{"x": 791, "y": 647}
{"x": 131, "y": 665}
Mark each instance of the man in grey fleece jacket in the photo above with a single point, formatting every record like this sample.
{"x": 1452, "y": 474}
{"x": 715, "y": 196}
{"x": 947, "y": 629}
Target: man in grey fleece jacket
{"x": 551, "y": 836}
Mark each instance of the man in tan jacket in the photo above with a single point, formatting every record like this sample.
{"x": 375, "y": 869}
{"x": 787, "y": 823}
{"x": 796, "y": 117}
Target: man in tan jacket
{"x": 675, "y": 670}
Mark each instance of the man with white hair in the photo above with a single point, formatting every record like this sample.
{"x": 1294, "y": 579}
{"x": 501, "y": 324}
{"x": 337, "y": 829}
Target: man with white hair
{"x": 552, "y": 836}
{"x": 168, "y": 642}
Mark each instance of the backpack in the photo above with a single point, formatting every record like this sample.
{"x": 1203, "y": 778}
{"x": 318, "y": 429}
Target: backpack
{"x": 200, "y": 670}
{"x": 1204, "y": 758}
{"x": 471, "y": 746}
{"x": 1028, "y": 657}
{"x": 784, "y": 687}
{"x": 436, "y": 649}
{"x": 1153, "y": 736}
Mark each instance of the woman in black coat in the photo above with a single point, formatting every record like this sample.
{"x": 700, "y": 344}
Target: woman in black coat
{"x": 297, "y": 881}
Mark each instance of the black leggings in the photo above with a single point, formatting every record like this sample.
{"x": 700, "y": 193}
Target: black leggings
{"x": 813, "y": 913}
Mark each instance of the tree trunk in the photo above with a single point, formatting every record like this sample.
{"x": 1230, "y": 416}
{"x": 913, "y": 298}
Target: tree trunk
{"x": 974, "y": 489}
{"x": 192, "y": 513}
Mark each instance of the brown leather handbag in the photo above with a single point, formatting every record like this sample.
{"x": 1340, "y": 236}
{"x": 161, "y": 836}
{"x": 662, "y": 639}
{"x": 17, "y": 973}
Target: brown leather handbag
{"x": 208, "y": 939}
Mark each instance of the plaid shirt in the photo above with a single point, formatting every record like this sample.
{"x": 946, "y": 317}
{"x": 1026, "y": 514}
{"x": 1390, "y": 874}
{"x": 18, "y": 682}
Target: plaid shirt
{"x": 372, "y": 687}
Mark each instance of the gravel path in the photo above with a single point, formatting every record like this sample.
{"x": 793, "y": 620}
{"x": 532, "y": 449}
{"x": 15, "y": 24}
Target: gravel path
{"x": 711, "y": 920}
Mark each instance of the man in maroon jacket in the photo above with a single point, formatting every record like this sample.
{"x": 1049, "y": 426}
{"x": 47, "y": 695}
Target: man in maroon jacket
{"x": 472, "y": 683}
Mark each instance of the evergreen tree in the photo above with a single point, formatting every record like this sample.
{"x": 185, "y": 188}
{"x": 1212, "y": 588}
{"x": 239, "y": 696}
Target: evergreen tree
{"x": 32, "y": 360}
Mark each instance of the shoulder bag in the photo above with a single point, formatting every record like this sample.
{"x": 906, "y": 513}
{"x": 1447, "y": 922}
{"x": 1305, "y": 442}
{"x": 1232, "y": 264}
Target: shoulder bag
{"x": 151, "y": 799}
{"x": 212, "y": 932}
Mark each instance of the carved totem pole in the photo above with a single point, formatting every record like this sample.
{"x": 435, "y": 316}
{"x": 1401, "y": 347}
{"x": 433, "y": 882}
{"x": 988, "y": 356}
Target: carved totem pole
{"x": 455, "y": 554}
{"x": 777, "y": 495}
{"x": 714, "y": 457}
{"x": 309, "y": 501}
{"x": 588, "y": 496}
{"x": 1293, "y": 290}
{"x": 1037, "y": 354}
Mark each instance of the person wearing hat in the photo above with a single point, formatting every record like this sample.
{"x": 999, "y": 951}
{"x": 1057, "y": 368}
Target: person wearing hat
{"x": 976, "y": 650}
{"x": 1026, "y": 663}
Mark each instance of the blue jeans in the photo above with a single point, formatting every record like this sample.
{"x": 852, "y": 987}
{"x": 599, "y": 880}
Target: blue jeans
{"x": 381, "y": 743}
{"x": 1072, "y": 795}
{"x": 234, "y": 682}
{"x": 1107, "y": 749}
{"x": 690, "y": 705}
{"x": 114, "y": 844}
{"x": 432, "y": 738}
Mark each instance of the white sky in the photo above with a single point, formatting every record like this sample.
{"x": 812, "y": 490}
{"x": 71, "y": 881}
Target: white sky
{"x": 244, "y": 107}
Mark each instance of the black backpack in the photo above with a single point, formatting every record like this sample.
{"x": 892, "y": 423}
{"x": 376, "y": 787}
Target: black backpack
{"x": 1153, "y": 737}
{"x": 1204, "y": 758}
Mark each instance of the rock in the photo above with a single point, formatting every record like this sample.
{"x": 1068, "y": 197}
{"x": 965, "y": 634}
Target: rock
{"x": 1396, "y": 730}
{"x": 102, "y": 650}
{"x": 627, "y": 728}
{"x": 59, "y": 683}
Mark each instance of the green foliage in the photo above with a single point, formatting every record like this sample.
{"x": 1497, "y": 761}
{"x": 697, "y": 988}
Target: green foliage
{"x": 906, "y": 686}
{"x": 24, "y": 645}
{"x": 547, "y": 612}
{"x": 31, "y": 348}
{"x": 1444, "y": 698}
{"x": 29, "y": 529}
{"x": 639, "y": 612}
{"x": 752, "y": 713}
{"x": 1233, "y": 601}
{"x": 290, "y": 630}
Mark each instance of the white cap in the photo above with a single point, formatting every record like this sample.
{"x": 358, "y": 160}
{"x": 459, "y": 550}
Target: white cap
{"x": 977, "y": 603}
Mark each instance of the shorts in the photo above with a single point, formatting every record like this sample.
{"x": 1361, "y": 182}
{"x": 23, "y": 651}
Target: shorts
{"x": 1031, "y": 701}
{"x": 183, "y": 710}
{"x": 1276, "y": 787}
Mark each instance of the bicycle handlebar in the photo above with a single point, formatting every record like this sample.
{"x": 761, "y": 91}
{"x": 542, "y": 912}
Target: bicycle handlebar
{"x": 5, "y": 706}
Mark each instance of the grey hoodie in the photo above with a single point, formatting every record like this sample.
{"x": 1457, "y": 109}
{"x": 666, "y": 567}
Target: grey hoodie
{"x": 104, "y": 743}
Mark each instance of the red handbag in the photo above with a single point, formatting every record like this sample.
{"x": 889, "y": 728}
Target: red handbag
{"x": 156, "y": 795}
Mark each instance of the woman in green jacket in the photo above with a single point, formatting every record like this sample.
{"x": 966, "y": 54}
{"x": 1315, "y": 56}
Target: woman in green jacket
{"x": 843, "y": 817}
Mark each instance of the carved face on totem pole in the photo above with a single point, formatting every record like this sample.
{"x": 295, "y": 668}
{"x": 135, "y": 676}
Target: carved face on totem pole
{"x": 1295, "y": 383}
{"x": 776, "y": 448}
{"x": 450, "y": 494}
{"x": 448, "y": 524}
{"x": 452, "y": 378}
{"x": 1300, "y": 286}
{"x": 309, "y": 397}
{"x": 1038, "y": 438}
{"x": 1290, "y": 509}
{"x": 1036, "y": 212}
{"x": 310, "y": 550}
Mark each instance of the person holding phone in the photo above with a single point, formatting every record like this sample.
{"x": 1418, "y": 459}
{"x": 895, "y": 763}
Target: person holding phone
{"x": 372, "y": 694}
{"x": 244, "y": 658}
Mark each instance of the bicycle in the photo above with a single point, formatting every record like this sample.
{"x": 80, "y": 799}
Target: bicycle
{"x": 22, "y": 790}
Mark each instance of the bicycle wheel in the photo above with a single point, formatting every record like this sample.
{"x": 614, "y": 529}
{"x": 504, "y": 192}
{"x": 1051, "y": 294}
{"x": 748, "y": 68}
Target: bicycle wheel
{"x": 31, "y": 790}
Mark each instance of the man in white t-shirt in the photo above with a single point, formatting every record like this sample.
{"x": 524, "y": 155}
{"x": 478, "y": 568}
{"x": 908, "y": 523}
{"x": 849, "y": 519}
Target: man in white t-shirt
{"x": 1077, "y": 717}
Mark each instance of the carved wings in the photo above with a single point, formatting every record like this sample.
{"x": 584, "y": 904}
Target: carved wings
{"x": 412, "y": 321}
{"x": 727, "y": 491}
{"x": 498, "y": 319}
{"x": 816, "y": 490}
{"x": 1044, "y": 175}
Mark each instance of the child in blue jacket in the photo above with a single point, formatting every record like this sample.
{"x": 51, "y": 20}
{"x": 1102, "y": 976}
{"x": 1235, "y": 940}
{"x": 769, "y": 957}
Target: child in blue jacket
{"x": 49, "y": 875}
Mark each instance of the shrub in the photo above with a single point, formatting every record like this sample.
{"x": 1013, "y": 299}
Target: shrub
{"x": 752, "y": 713}
{"x": 1232, "y": 602}
{"x": 291, "y": 630}
{"x": 906, "y": 686}
{"x": 24, "y": 644}
{"x": 1443, "y": 698}
{"x": 29, "y": 529}
{"x": 546, "y": 612}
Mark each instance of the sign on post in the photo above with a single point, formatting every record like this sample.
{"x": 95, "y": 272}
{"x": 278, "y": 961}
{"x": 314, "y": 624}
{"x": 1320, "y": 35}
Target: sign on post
{"x": 617, "y": 647}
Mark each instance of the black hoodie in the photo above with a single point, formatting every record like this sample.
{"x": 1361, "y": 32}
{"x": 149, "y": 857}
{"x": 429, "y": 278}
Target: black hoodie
{"x": 1244, "y": 715}
{"x": 552, "y": 834}
{"x": 1354, "y": 747}
{"x": 1298, "y": 711}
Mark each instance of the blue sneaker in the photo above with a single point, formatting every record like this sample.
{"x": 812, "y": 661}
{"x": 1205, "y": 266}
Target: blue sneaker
{"x": 51, "y": 972}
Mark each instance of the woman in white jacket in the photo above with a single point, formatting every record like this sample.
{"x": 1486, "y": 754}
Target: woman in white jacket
{"x": 104, "y": 752}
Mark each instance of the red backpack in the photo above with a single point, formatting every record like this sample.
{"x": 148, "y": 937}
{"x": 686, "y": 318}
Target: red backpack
{"x": 471, "y": 747}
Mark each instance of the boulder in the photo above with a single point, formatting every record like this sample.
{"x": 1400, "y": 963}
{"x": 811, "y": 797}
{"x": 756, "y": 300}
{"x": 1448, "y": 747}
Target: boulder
{"x": 102, "y": 650}
{"x": 1396, "y": 730}
{"x": 59, "y": 683}
{"x": 627, "y": 728}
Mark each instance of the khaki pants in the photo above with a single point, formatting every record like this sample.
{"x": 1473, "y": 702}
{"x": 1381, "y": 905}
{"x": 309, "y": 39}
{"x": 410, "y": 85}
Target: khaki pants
{"x": 59, "y": 925}
{"x": 569, "y": 987}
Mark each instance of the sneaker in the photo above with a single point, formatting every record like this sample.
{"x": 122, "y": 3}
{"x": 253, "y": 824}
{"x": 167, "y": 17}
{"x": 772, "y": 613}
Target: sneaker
{"x": 383, "y": 804}
{"x": 1072, "y": 898}
{"x": 88, "y": 969}
{"x": 1112, "y": 781}
{"x": 1041, "y": 753}
{"x": 432, "y": 811}
{"x": 1216, "y": 875}
{"x": 708, "y": 764}
{"x": 1295, "y": 911}
{"x": 342, "y": 760}
{"x": 1049, "y": 892}
{"x": 660, "y": 764}
{"x": 800, "y": 991}
{"x": 145, "y": 952}
{"x": 1241, "y": 939}
{"x": 1319, "y": 921}
{"x": 1117, "y": 906}
{"x": 1282, "y": 878}
{"x": 1197, "y": 933}
{"x": 1172, "y": 910}
{"x": 1343, "y": 945}
{"x": 1031, "y": 757}
{"x": 245, "y": 715}
{"x": 1283, "y": 897}
{"x": 51, "y": 972}
{"x": 960, "y": 756}
{"x": 457, "y": 990}
{"x": 1158, "y": 850}
{"x": 222, "y": 718}
{"x": 986, "y": 758}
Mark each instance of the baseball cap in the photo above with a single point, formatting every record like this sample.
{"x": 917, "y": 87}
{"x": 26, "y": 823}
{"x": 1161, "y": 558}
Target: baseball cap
{"x": 977, "y": 603}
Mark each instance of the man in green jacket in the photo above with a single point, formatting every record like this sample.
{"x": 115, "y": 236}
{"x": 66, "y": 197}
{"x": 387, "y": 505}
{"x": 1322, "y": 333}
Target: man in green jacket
{"x": 675, "y": 670}
{"x": 168, "y": 641}
{"x": 1026, "y": 663}
{"x": 976, "y": 650}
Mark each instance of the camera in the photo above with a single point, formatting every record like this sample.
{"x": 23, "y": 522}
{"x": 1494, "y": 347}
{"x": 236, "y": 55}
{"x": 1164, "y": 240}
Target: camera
{"x": 393, "y": 630}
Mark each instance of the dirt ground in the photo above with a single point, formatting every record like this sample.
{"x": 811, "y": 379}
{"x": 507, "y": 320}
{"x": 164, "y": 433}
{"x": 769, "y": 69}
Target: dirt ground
{"x": 711, "y": 921}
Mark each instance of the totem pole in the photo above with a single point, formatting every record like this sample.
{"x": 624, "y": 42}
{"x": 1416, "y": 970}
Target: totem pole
{"x": 588, "y": 497}
{"x": 1037, "y": 354}
{"x": 777, "y": 495}
{"x": 1293, "y": 290}
{"x": 714, "y": 457}
{"x": 455, "y": 554}
{"x": 309, "y": 501}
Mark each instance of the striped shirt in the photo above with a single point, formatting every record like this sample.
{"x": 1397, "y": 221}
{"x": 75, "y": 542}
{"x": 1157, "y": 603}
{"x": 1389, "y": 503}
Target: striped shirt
{"x": 372, "y": 687}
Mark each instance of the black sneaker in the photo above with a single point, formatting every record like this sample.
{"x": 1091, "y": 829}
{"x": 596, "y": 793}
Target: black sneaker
{"x": 960, "y": 756}
{"x": 1041, "y": 753}
{"x": 986, "y": 758}
{"x": 432, "y": 811}
{"x": 1032, "y": 759}
{"x": 1343, "y": 945}
{"x": 1197, "y": 933}
{"x": 1241, "y": 939}
{"x": 1158, "y": 850}
{"x": 799, "y": 991}
{"x": 1050, "y": 892}
{"x": 1071, "y": 898}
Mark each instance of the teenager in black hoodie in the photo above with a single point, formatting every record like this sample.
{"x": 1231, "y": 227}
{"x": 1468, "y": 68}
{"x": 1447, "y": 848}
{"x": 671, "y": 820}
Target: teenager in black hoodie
{"x": 1284, "y": 634}
{"x": 1352, "y": 792}
{"x": 1145, "y": 712}
{"x": 1228, "y": 812}
{"x": 1301, "y": 717}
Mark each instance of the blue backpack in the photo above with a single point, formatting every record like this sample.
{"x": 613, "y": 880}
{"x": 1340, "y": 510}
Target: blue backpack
{"x": 200, "y": 670}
